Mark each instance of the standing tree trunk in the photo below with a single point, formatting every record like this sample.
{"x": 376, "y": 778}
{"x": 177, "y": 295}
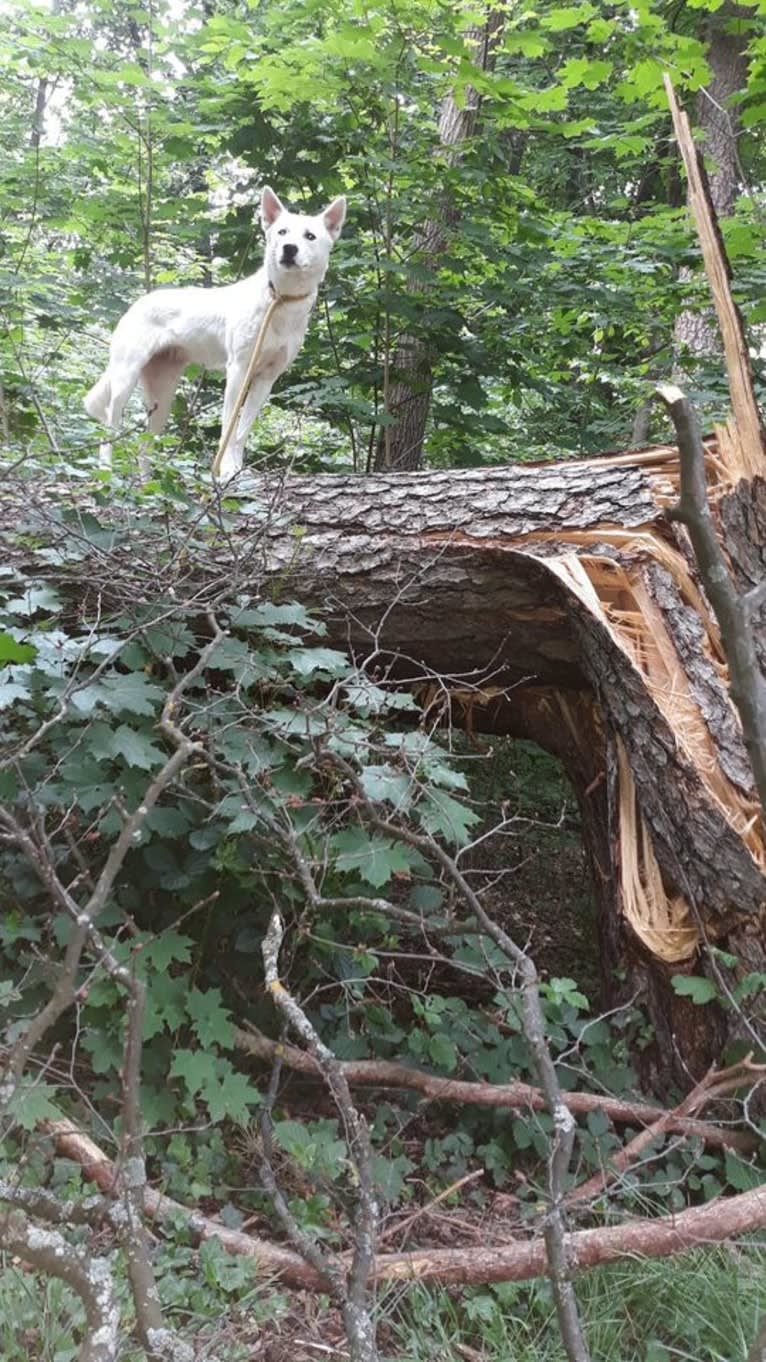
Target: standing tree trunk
{"x": 718, "y": 120}
{"x": 408, "y": 398}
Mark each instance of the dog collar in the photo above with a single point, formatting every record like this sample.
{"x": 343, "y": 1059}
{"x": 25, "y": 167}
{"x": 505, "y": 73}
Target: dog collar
{"x": 290, "y": 297}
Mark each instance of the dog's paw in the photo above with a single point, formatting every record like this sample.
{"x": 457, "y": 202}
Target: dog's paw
{"x": 228, "y": 471}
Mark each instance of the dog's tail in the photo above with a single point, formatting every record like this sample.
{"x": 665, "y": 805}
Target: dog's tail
{"x": 97, "y": 400}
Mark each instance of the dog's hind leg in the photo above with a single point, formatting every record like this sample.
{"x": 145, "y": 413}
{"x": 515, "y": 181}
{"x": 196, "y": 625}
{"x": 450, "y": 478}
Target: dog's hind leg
{"x": 159, "y": 380}
{"x": 122, "y": 381}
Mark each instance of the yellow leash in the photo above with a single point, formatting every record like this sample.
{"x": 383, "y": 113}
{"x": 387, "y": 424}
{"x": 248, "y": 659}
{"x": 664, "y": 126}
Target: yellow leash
{"x": 257, "y": 348}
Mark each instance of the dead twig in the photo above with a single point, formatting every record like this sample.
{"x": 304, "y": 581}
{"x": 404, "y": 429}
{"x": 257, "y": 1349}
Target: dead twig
{"x": 517, "y": 1096}
{"x": 520, "y": 1260}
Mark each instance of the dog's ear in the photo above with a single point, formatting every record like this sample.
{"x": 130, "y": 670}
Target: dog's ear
{"x": 334, "y": 217}
{"x": 271, "y": 207}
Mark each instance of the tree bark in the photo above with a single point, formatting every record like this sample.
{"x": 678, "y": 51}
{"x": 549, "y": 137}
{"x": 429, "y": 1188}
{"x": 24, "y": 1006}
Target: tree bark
{"x": 565, "y": 608}
{"x": 717, "y": 117}
{"x": 558, "y": 603}
{"x": 518, "y": 1260}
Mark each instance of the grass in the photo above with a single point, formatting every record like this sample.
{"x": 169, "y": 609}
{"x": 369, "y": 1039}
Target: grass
{"x": 699, "y": 1307}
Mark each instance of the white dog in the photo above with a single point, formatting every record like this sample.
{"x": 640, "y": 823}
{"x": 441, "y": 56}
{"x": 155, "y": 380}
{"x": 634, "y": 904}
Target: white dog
{"x": 218, "y": 327}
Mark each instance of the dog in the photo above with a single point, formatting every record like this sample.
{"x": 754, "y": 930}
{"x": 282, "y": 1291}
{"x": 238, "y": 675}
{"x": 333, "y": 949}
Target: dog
{"x": 168, "y": 329}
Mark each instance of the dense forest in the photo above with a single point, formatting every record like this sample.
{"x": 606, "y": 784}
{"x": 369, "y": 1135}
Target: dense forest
{"x": 382, "y": 838}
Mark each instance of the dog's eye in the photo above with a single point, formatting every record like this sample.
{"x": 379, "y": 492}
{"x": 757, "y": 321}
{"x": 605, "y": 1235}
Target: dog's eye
{"x": 310, "y": 236}
{"x": 282, "y": 231}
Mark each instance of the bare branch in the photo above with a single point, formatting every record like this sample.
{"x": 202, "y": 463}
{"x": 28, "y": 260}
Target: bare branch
{"x": 748, "y": 688}
{"x": 162, "y": 1343}
{"x": 360, "y": 1330}
{"x": 384, "y": 1073}
{"x": 713, "y": 1223}
{"x": 91, "y": 1278}
{"x": 535, "y": 1032}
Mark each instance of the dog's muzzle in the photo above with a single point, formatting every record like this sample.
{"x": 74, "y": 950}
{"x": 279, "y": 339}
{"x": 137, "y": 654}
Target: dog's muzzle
{"x": 289, "y": 254}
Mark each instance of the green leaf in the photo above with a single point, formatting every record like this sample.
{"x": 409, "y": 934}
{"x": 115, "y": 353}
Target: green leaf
{"x": 36, "y": 598}
{"x": 693, "y": 986}
{"x": 597, "y": 1123}
{"x": 233, "y": 1096}
{"x": 441, "y": 815}
{"x": 743, "y": 1177}
{"x": 10, "y": 692}
{"x": 210, "y": 1019}
{"x": 443, "y": 1052}
{"x": 195, "y": 1067}
{"x": 132, "y": 693}
{"x": 372, "y": 857}
{"x": 307, "y": 662}
{"x": 568, "y": 16}
{"x": 13, "y": 651}
{"x": 268, "y": 613}
{"x": 227, "y": 1094}
{"x": 385, "y": 785}
{"x": 135, "y": 748}
{"x": 170, "y": 946}
{"x": 32, "y": 1103}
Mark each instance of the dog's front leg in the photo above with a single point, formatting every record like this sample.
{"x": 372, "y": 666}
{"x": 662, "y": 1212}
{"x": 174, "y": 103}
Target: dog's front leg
{"x": 233, "y": 456}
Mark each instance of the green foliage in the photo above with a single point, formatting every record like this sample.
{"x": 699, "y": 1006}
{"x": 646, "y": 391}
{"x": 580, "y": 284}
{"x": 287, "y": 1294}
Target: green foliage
{"x": 571, "y": 180}
{"x": 703, "y": 1305}
{"x": 205, "y": 1291}
{"x": 549, "y": 313}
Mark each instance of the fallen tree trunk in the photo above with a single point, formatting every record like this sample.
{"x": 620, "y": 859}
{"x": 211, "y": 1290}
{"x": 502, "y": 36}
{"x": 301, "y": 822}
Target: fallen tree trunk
{"x": 555, "y": 602}
{"x": 559, "y": 603}
{"x": 517, "y": 1261}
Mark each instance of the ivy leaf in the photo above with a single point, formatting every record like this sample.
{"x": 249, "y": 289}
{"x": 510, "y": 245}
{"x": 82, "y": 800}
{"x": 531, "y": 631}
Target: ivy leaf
{"x": 135, "y": 748}
{"x": 165, "y": 1004}
{"x": 443, "y": 1052}
{"x": 31, "y": 1103}
{"x": 386, "y": 785}
{"x": 372, "y": 857}
{"x": 440, "y": 814}
{"x": 210, "y": 1019}
{"x": 693, "y": 986}
{"x": 132, "y": 693}
{"x": 743, "y": 1177}
{"x": 13, "y": 651}
{"x": 306, "y": 662}
{"x": 10, "y": 692}
{"x": 597, "y": 1123}
{"x": 168, "y": 947}
{"x": 232, "y": 1097}
{"x": 367, "y": 698}
{"x": 36, "y": 598}
{"x": 228, "y": 1095}
{"x": 268, "y": 614}
{"x": 195, "y": 1067}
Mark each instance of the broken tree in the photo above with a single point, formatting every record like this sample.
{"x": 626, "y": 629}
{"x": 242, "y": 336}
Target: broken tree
{"x": 561, "y": 603}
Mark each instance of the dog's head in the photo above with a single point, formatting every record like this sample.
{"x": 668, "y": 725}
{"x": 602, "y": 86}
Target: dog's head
{"x": 298, "y": 246}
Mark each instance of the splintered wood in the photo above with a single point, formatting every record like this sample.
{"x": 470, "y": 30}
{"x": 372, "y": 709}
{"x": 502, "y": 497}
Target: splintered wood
{"x": 616, "y": 591}
{"x": 741, "y": 439}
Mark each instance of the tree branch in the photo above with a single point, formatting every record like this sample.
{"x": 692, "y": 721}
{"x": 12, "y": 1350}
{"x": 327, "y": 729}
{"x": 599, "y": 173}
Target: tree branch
{"x": 713, "y": 1223}
{"x": 90, "y": 1277}
{"x": 360, "y": 1330}
{"x": 748, "y": 688}
{"x": 385, "y": 1073}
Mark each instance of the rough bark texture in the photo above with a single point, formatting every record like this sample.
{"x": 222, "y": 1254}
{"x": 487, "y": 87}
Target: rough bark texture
{"x": 555, "y": 602}
{"x": 526, "y": 586}
{"x": 717, "y": 117}
{"x": 715, "y": 1222}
